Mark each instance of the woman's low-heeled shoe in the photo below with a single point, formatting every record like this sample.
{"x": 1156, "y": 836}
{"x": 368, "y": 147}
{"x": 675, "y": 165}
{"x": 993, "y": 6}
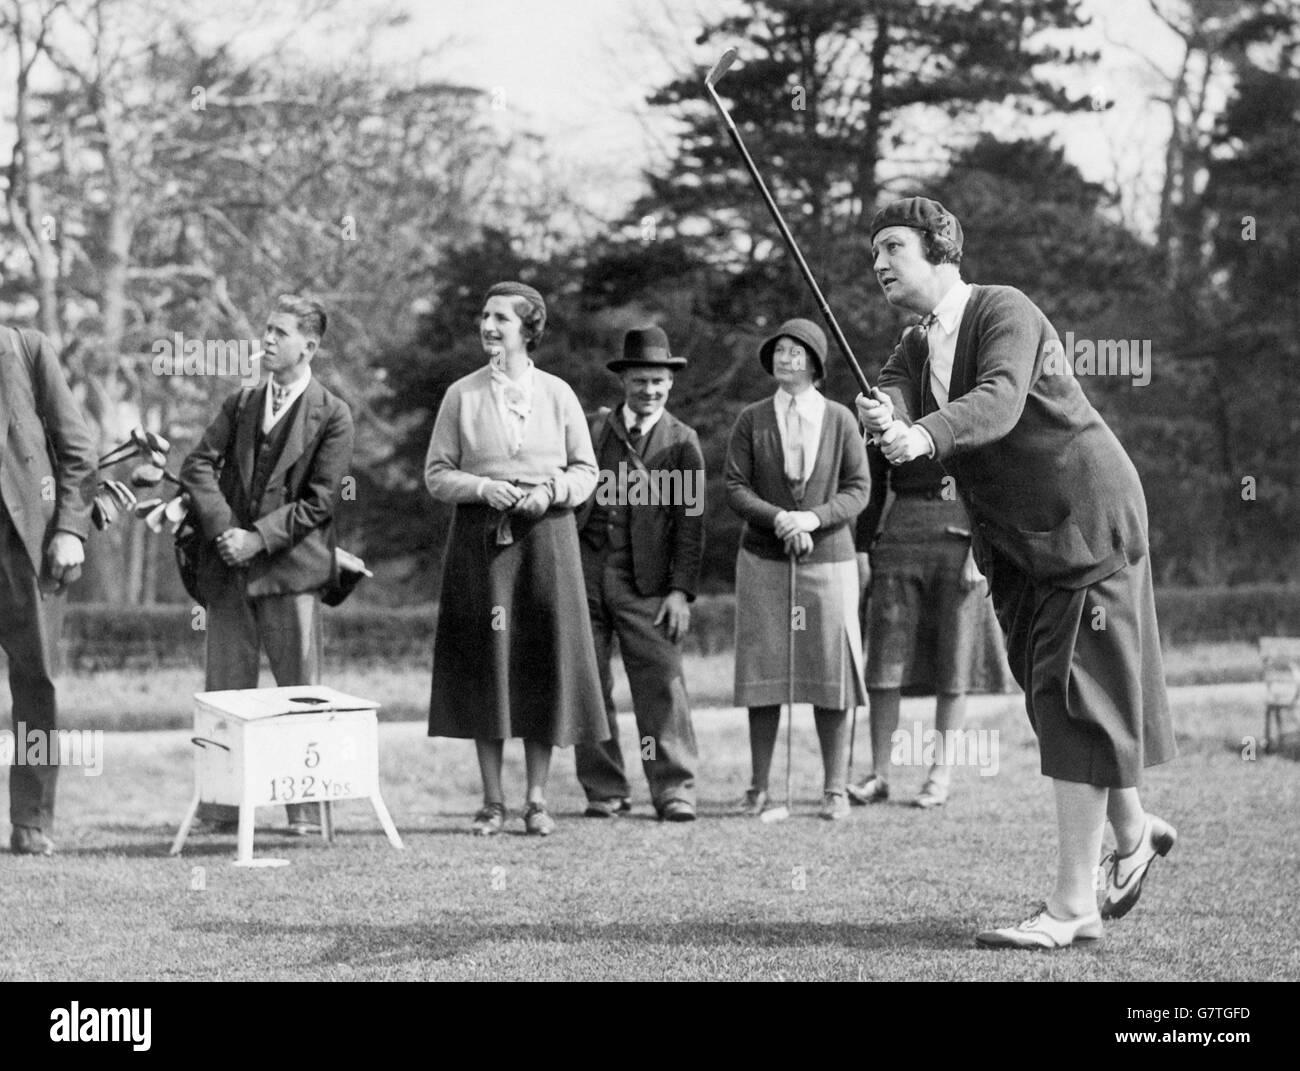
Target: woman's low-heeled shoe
{"x": 489, "y": 820}
{"x": 537, "y": 821}
{"x": 1126, "y": 873}
{"x": 1043, "y": 931}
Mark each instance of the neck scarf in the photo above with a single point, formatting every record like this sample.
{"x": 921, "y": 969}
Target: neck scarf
{"x": 514, "y": 399}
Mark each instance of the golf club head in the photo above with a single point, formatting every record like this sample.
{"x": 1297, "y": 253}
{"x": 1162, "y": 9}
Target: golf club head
{"x": 776, "y": 814}
{"x": 158, "y": 443}
{"x": 143, "y": 509}
{"x": 123, "y": 497}
{"x": 721, "y": 67}
{"x": 157, "y": 458}
{"x": 144, "y": 476}
{"x": 154, "y": 518}
{"x": 175, "y": 511}
{"x": 140, "y": 438}
{"x": 101, "y": 513}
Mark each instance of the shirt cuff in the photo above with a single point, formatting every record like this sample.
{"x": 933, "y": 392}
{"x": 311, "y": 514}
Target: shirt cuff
{"x": 927, "y": 439}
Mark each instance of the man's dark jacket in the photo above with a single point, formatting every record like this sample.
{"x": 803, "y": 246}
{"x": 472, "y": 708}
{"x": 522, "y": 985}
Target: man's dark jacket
{"x": 47, "y": 465}
{"x": 667, "y": 540}
{"x": 295, "y": 511}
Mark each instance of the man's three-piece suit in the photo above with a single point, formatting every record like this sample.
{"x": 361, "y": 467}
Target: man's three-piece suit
{"x": 282, "y": 481}
{"x": 633, "y": 555}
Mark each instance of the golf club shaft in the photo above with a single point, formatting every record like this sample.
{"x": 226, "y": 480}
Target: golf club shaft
{"x": 792, "y": 246}
{"x": 111, "y": 458}
{"x": 789, "y": 721}
{"x": 853, "y": 733}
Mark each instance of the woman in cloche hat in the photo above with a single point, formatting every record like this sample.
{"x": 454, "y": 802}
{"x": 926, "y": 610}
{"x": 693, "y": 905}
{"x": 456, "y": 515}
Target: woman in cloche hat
{"x": 797, "y": 475}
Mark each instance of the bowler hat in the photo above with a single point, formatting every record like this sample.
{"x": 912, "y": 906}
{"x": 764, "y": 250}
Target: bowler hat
{"x": 646, "y": 347}
{"x": 805, "y": 332}
{"x": 919, "y": 213}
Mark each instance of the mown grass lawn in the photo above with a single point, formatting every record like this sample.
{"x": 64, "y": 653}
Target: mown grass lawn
{"x": 160, "y": 698}
{"x": 891, "y": 893}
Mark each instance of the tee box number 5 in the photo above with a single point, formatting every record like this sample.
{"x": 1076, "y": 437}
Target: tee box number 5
{"x": 269, "y": 746}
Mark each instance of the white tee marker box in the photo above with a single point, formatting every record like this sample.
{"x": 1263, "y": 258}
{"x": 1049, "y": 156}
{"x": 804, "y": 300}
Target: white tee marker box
{"x": 260, "y": 747}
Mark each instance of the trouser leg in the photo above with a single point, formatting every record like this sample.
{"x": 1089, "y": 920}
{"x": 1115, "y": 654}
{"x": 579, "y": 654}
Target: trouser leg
{"x": 666, "y": 737}
{"x": 289, "y": 626}
{"x": 600, "y": 766}
{"x": 30, "y": 626}
{"x": 232, "y": 660}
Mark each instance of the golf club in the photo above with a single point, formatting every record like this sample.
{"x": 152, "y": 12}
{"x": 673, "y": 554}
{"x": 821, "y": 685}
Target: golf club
{"x": 710, "y": 82}
{"x": 147, "y": 475}
{"x": 853, "y": 732}
{"x": 780, "y": 814}
{"x": 119, "y": 453}
{"x": 146, "y": 443}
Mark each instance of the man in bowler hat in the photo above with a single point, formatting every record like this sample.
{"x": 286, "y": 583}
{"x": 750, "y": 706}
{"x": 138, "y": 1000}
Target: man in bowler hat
{"x": 642, "y": 540}
{"x": 1060, "y": 530}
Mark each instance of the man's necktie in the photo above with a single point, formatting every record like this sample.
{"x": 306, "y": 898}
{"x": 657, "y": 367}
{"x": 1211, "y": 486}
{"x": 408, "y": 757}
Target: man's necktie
{"x": 279, "y": 395}
{"x": 636, "y": 436}
{"x": 794, "y": 449}
{"x": 927, "y": 322}
{"x": 923, "y": 329}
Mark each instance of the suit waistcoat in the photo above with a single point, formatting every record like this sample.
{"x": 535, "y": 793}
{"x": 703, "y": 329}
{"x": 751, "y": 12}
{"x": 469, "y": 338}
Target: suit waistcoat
{"x": 608, "y": 524}
{"x": 267, "y": 448}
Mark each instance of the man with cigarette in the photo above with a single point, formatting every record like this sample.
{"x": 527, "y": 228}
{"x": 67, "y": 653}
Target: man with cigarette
{"x": 641, "y": 557}
{"x": 264, "y": 480}
{"x": 47, "y": 487}
{"x": 1060, "y": 530}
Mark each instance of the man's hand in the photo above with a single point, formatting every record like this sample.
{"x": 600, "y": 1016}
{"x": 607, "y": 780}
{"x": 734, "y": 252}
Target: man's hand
{"x": 63, "y": 558}
{"x": 800, "y": 544}
{"x": 238, "y": 546}
{"x": 675, "y": 614}
{"x": 790, "y": 521}
{"x": 534, "y": 503}
{"x": 875, "y": 413}
{"x": 901, "y": 442}
{"x": 501, "y": 495}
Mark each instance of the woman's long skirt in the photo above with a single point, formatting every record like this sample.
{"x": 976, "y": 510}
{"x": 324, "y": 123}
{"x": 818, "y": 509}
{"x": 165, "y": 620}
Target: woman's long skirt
{"x": 513, "y": 654}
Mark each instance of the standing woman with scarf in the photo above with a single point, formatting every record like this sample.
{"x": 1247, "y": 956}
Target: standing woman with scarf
{"x": 513, "y": 655}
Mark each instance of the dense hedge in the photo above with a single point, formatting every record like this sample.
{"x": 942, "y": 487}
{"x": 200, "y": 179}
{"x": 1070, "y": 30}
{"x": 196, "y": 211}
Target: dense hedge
{"x": 100, "y": 637}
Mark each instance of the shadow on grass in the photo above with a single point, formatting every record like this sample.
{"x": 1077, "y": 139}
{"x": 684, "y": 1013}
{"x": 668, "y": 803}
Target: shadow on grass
{"x": 360, "y": 946}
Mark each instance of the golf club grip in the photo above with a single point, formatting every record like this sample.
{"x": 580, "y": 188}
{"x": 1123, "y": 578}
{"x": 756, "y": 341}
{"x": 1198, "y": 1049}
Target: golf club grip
{"x": 822, "y": 304}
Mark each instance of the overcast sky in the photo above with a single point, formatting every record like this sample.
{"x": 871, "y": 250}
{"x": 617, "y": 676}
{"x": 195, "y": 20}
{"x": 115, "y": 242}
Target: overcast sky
{"x": 578, "y": 71}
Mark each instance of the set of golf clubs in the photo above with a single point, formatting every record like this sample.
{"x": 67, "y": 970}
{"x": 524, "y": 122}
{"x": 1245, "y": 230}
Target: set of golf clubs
{"x": 115, "y": 497}
{"x": 779, "y": 814}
